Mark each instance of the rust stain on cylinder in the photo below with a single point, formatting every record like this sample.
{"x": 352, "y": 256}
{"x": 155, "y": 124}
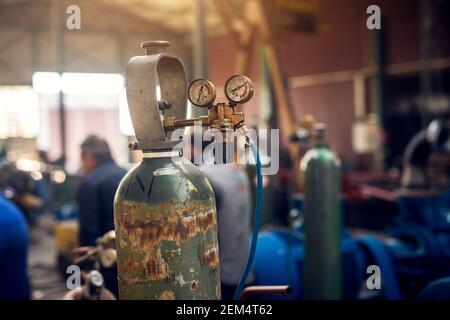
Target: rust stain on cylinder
{"x": 156, "y": 267}
{"x": 155, "y": 228}
{"x": 167, "y": 295}
{"x": 154, "y": 240}
{"x": 209, "y": 255}
{"x": 194, "y": 285}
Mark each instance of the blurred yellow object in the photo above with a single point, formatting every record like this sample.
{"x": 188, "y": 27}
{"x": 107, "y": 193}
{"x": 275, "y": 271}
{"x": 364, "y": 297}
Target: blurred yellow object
{"x": 66, "y": 235}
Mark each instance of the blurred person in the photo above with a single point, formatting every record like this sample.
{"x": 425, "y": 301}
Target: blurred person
{"x": 96, "y": 197}
{"x": 98, "y": 187}
{"x": 20, "y": 188}
{"x": 231, "y": 188}
{"x": 14, "y": 283}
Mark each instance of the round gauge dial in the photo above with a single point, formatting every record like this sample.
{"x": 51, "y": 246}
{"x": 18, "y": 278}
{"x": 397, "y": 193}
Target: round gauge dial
{"x": 201, "y": 93}
{"x": 239, "y": 89}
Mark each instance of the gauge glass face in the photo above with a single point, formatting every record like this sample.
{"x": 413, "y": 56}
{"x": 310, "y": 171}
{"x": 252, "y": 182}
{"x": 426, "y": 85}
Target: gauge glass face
{"x": 202, "y": 93}
{"x": 239, "y": 89}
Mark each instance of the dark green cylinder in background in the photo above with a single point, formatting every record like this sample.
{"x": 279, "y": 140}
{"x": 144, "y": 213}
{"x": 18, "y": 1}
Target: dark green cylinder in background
{"x": 166, "y": 232}
{"x": 322, "y": 222}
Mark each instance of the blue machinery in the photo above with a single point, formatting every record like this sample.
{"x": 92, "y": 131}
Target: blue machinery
{"x": 414, "y": 253}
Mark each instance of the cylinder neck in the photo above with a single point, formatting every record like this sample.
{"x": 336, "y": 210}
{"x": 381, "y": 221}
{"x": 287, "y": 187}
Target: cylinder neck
{"x": 320, "y": 135}
{"x": 321, "y": 143}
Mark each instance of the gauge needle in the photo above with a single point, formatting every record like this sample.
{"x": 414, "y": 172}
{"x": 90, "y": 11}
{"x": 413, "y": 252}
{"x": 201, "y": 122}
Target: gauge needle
{"x": 200, "y": 93}
{"x": 237, "y": 88}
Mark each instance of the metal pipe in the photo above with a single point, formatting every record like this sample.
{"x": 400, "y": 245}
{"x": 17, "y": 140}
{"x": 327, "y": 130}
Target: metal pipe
{"x": 186, "y": 122}
{"x": 415, "y": 161}
{"x": 59, "y": 46}
{"x": 377, "y": 94}
{"x": 260, "y": 290}
{"x": 394, "y": 69}
{"x": 200, "y": 48}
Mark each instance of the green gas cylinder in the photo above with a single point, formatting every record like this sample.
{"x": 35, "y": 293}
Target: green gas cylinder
{"x": 164, "y": 209}
{"x": 165, "y": 219}
{"x": 322, "y": 220}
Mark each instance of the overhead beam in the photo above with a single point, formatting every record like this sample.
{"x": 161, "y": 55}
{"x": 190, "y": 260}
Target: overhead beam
{"x": 243, "y": 39}
{"x": 394, "y": 69}
{"x": 286, "y": 117}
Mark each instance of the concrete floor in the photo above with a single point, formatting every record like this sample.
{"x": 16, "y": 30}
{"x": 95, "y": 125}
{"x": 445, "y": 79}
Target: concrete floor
{"x": 46, "y": 282}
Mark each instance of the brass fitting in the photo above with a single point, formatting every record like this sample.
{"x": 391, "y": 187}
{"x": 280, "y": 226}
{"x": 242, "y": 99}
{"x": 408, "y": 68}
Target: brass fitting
{"x": 221, "y": 116}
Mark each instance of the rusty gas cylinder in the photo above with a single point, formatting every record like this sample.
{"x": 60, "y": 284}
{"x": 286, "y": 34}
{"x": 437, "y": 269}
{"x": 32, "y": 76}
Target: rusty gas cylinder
{"x": 166, "y": 231}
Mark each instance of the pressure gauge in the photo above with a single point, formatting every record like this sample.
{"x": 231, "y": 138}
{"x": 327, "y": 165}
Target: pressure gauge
{"x": 201, "y": 93}
{"x": 239, "y": 89}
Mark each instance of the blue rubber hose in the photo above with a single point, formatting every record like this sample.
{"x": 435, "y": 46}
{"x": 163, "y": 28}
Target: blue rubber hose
{"x": 251, "y": 255}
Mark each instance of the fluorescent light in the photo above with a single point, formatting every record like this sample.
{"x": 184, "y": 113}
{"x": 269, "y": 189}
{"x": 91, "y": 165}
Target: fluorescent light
{"x": 46, "y": 82}
{"x": 92, "y": 83}
{"x": 78, "y": 83}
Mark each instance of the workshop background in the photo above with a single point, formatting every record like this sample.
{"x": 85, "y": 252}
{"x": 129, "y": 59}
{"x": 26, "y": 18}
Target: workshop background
{"x": 379, "y": 98}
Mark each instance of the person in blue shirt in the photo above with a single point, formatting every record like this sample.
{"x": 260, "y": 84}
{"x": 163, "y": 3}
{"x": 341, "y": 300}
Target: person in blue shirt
{"x": 14, "y": 284}
{"x": 96, "y": 192}
{"x": 96, "y": 197}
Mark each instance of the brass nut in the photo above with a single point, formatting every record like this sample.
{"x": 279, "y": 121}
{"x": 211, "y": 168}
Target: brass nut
{"x": 169, "y": 123}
